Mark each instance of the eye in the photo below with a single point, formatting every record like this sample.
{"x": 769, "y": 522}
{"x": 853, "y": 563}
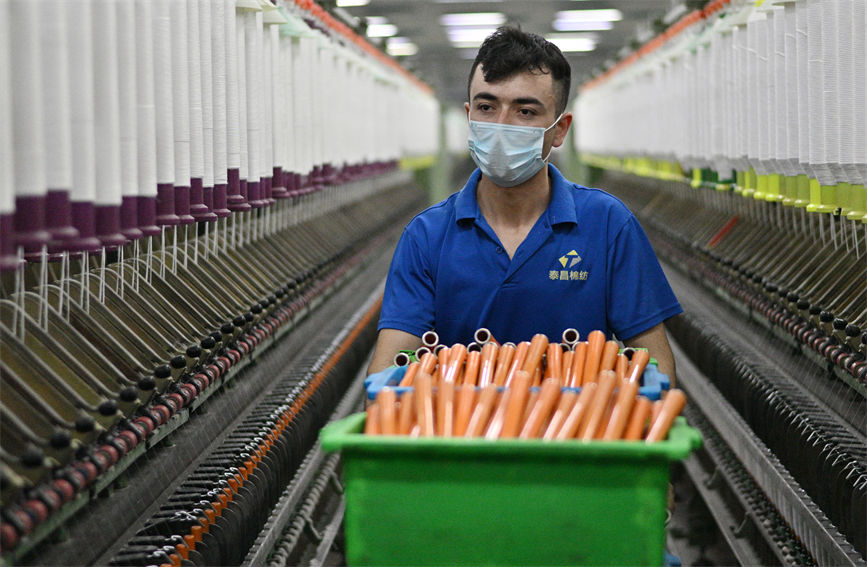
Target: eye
{"x": 484, "y": 107}
{"x": 527, "y": 112}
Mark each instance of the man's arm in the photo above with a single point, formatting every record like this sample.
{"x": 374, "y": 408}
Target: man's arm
{"x": 655, "y": 340}
{"x": 388, "y": 342}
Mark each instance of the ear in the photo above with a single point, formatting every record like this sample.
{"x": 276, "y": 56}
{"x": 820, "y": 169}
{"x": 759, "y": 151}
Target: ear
{"x": 467, "y": 108}
{"x": 561, "y": 129}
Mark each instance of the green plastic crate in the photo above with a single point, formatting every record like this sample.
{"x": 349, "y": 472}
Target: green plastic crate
{"x": 437, "y": 501}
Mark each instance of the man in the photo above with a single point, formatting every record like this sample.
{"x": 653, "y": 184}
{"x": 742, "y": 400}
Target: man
{"x": 520, "y": 250}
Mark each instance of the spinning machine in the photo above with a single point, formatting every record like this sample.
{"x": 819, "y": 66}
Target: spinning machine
{"x": 739, "y": 138}
{"x": 198, "y": 197}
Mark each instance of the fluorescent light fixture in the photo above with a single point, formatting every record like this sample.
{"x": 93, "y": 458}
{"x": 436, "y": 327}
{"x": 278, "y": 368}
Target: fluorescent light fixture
{"x": 469, "y": 37}
{"x": 572, "y": 43}
{"x": 381, "y": 30}
{"x": 400, "y": 47}
{"x": 351, "y": 3}
{"x": 565, "y": 25}
{"x": 473, "y": 19}
{"x": 605, "y": 15}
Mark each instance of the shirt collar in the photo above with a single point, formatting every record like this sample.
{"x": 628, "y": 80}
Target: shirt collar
{"x": 561, "y": 209}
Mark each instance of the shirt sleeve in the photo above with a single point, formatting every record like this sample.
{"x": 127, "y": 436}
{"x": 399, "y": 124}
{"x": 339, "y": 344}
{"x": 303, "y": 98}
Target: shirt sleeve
{"x": 639, "y": 295}
{"x": 408, "y": 300}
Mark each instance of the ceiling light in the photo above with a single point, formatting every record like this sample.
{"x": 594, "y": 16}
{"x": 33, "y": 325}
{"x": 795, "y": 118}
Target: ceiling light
{"x": 350, "y": 3}
{"x": 572, "y": 43}
{"x": 401, "y": 47}
{"x": 469, "y": 37}
{"x": 473, "y": 19}
{"x": 381, "y": 30}
{"x": 566, "y": 25}
{"x": 608, "y": 15}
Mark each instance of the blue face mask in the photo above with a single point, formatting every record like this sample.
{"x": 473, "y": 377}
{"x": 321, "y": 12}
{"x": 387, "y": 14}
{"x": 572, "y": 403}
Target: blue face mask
{"x": 508, "y": 155}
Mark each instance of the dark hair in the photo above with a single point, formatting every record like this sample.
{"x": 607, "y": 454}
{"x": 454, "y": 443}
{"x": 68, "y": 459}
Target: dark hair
{"x": 509, "y": 51}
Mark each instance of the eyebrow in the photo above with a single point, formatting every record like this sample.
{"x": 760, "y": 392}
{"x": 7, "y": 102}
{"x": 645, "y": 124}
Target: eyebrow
{"x": 520, "y": 100}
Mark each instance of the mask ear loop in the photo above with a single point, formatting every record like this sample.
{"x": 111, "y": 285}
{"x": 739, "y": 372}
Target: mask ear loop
{"x": 545, "y": 159}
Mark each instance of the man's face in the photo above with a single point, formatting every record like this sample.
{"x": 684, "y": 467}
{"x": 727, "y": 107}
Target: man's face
{"x": 524, "y": 99}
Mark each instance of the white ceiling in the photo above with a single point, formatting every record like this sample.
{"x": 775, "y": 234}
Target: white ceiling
{"x": 442, "y": 66}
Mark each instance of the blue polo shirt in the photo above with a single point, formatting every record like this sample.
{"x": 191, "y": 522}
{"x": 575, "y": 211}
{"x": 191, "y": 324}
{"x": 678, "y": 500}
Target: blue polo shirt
{"x": 586, "y": 264}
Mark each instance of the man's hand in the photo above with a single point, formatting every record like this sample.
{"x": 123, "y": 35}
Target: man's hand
{"x": 655, "y": 340}
{"x": 388, "y": 343}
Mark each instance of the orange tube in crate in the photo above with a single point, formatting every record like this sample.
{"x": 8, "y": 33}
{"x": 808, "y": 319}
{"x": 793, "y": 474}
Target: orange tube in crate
{"x": 406, "y": 413}
{"x": 532, "y": 396}
{"x": 465, "y": 397}
{"x": 486, "y": 364}
{"x": 578, "y": 365}
{"x": 483, "y": 336}
{"x": 609, "y": 355}
{"x": 387, "y": 402}
{"x": 430, "y": 339}
{"x": 424, "y": 404}
{"x": 445, "y": 409}
{"x": 636, "y": 366}
{"x": 570, "y": 336}
{"x": 537, "y": 349}
{"x": 567, "y": 400}
{"x": 471, "y": 370}
{"x": 517, "y": 402}
{"x": 554, "y": 362}
{"x": 371, "y": 422}
{"x": 672, "y": 405}
{"x": 410, "y": 373}
{"x": 443, "y": 356}
{"x": 482, "y": 412}
{"x": 517, "y": 361}
{"x": 495, "y": 425}
{"x": 548, "y": 396}
{"x": 607, "y": 383}
{"x": 638, "y": 419}
{"x": 457, "y": 356}
{"x": 504, "y": 361}
{"x": 537, "y": 377}
{"x": 579, "y": 409}
{"x": 595, "y": 343}
{"x": 622, "y": 409}
{"x": 566, "y": 368}
{"x": 620, "y": 366}
{"x": 428, "y": 363}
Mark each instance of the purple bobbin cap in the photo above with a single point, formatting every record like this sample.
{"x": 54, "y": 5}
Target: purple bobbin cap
{"x": 84, "y": 219}
{"x": 236, "y": 198}
{"x": 254, "y": 193}
{"x": 182, "y": 204}
{"x": 201, "y": 212}
{"x": 58, "y": 215}
{"x": 166, "y": 205}
{"x": 29, "y": 224}
{"x": 107, "y": 221}
{"x": 129, "y": 218}
{"x": 147, "y": 215}
{"x": 278, "y": 184}
{"x": 8, "y": 259}
{"x": 219, "y": 207}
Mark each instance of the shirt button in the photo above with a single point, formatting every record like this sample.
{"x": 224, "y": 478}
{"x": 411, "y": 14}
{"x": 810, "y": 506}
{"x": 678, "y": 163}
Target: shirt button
{"x": 499, "y": 250}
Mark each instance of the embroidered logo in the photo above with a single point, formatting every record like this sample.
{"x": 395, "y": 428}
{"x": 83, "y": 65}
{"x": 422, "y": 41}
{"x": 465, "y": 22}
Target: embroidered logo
{"x": 568, "y": 261}
{"x": 570, "y": 258}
